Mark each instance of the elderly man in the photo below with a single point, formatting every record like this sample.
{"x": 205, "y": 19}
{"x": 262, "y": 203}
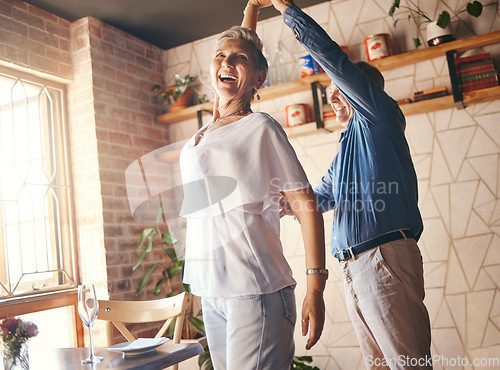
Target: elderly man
{"x": 371, "y": 186}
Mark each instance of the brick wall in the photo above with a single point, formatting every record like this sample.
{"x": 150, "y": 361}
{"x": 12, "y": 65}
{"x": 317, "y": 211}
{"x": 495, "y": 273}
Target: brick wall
{"x": 111, "y": 119}
{"x": 33, "y": 38}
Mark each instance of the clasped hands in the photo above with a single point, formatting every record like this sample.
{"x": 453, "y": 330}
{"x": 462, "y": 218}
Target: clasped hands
{"x": 280, "y": 5}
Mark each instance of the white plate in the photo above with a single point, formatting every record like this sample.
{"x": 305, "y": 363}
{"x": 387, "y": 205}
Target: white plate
{"x": 138, "y": 347}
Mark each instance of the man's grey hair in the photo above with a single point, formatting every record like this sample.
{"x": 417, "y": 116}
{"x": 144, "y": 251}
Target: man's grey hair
{"x": 250, "y": 36}
{"x": 372, "y": 72}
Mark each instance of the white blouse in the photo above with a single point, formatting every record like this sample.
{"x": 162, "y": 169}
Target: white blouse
{"x": 232, "y": 182}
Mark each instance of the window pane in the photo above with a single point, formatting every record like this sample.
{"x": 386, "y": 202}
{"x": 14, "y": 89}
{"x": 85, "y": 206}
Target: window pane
{"x": 56, "y": 328}
{"x": 36, "y": 245}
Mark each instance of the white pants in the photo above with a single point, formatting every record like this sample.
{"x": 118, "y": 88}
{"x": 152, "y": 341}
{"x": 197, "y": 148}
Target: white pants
{"x": 251, "y": 332}
{"x": 384, "y": 289}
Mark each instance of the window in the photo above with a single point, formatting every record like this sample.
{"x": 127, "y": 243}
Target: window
{"x": 36, "y": 226}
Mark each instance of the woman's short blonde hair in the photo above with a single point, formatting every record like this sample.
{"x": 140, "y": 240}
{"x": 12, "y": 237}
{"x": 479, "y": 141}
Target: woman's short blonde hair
{"x": 250, "y": 36}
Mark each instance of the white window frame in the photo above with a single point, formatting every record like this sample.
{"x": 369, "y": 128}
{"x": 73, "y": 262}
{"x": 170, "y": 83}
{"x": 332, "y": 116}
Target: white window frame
{"x": 59, "y": 271}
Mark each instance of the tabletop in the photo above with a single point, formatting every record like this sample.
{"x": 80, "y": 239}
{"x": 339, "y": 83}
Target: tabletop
{"x": 71, "y": 358}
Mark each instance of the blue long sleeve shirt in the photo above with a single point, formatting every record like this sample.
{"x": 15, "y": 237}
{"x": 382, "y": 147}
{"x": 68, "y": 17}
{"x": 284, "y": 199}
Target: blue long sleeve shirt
{"x": 371, "y": 185}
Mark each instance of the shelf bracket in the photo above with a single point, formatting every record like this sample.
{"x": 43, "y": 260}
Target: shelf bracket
{"x": 199, "y": 115}
{"x": 315, "y": 86}
{"x": 458, "y": 97}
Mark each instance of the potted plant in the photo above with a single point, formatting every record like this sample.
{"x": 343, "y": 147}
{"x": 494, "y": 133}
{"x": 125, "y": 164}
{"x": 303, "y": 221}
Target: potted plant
{"x": 172, "y": 265}
{"x": 437, "y": 31}
{"x": 179, "y": 96}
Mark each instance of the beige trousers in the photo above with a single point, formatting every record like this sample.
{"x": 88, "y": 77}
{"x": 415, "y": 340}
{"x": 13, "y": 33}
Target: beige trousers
{"x": 384, "y": 290}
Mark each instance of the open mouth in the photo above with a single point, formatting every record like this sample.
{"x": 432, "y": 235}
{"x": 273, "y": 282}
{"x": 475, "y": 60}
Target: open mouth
{"x": 225, "y": 77}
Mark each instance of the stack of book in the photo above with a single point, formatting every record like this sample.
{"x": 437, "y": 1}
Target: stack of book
{"x": 430, "y": 94}
{"x": 475, "y": 72}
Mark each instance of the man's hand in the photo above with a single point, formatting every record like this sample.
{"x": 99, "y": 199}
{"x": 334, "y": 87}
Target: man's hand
{"x": 313, "y": 316}
{"x": 284, "y": 207}
{"x": 260, "y": 3}
{"x": 282, "y": 5}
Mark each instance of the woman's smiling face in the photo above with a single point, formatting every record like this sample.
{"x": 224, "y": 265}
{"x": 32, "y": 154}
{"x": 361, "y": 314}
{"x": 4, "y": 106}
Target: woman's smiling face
{"x": 233, "y": 70}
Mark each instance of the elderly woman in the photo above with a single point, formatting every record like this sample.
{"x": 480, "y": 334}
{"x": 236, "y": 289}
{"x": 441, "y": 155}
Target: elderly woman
{"x": 242, "y": 162}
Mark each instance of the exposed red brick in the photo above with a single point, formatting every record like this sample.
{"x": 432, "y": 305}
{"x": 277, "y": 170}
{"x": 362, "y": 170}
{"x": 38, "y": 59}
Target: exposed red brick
{"x": 109, "y": 217}
{"x": 124, "y": 217}
{"x": 43, "y": 37}
{"x": 8, "y": 24}
{"x": 111, "y": 243}
{"x": 43, "y": 64}
{"x": 5, "y": 9}
{"x": 118, "y": 258}
{"x": 116, "y": 87}
{"x": 42, "y": 13}
{"x": 141, "y": 95}
{"x": 18, "y": 4}
{"x": 65, "y": 71}
{"x": 27, "y": 18}
{"x": 95, "y": 29}
{"x": 142, "y": 142}
{"x": 59, "y": 55}
{"x": 136, "y": 70}
{"x": 114, "y": 204}
{"x": 135, "y": 47}
{"x": 154, "y": 55}
{"x": 113, "y": 231}
{"x": 132, "y": 104}
{"x": 111, "y": 35}
{"x": 59, "y": 29}
{"x": 119, "y": 138}
{"x": 13, "y": 54}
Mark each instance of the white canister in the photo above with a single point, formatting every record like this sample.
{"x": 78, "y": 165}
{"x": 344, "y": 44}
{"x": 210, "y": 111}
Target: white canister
{"x": 297, "y": 114}
{"x": 378, "y": 46}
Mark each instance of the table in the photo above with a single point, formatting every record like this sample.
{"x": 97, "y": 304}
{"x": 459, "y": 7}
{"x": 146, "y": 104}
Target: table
{"x": 71, "y": 358}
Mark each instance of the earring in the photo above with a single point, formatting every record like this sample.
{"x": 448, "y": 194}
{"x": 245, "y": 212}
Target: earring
{"x": 258, "y": 96}
{"x": 213, "y": 92}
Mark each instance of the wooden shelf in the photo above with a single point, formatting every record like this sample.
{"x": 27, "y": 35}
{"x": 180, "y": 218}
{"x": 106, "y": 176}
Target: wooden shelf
{"x": 182, "y": 115}
{"x": 445, "y": 102}
{"x": 311, "y": 128}
{"x": 267, "y": 93}
{"x": 416, "y": 56}
{"x": 395, "y": 61}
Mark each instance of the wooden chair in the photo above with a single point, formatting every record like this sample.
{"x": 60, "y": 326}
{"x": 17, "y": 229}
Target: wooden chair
{"x": 120, "y": 312}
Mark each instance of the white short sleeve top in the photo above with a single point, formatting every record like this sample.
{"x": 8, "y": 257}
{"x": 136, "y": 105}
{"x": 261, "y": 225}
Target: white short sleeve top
{"x": 232, "y": 182}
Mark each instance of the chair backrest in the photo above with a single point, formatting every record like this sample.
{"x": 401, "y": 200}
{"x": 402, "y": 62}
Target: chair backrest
{"x": 120, "y": 312}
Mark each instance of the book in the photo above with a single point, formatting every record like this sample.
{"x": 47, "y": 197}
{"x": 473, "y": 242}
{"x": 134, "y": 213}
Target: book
{"x": 478, "y": 84}
{"x": 480, "y": 68}
{"x": 472, "y": 58}
{"x": 473, "y": 64}
{"x": 430, "y": 91}
{"x": 430, "y": 94}
{"x": 478, "y": 76}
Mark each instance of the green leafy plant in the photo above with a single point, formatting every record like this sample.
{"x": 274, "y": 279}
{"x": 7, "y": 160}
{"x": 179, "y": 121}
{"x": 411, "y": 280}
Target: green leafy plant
{"x": 474, "y": 8}
{"x": 301, "y": 363}
{"x": 170, "y": 95}
{"x": 172, "y": 265}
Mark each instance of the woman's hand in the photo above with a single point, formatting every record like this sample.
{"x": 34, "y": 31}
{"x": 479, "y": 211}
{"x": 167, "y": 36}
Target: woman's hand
{"x": 313, "y": 315}
{"x": 260, "y": 3}
{"x": 304, "y": 206}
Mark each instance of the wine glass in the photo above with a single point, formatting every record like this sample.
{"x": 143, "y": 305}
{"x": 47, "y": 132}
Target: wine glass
{"x": 88, "y": 308}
